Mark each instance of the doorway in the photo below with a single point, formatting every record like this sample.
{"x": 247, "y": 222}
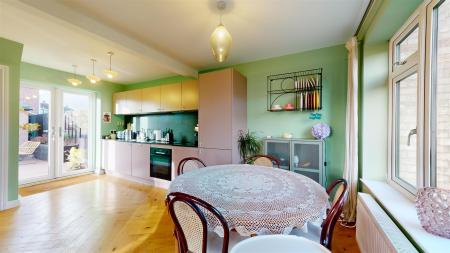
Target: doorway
{"x": 56, "y": 133}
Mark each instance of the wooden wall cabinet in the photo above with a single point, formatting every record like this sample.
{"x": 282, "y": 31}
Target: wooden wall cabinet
{"x": 140, "y": 160}
{"x": 134, "y": 104}
{"x": 171, "y": 97}
{"x": 189, "y": 95}
{"x": 151, "y": 99}
{"x": 222, "y": 114}
{"x": 119, "y": 103}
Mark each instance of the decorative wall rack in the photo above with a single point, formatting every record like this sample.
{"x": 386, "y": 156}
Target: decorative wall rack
{"x": 295, "y": 91}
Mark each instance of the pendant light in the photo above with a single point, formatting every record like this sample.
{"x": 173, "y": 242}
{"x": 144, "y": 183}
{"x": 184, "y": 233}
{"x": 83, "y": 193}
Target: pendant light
{"x": 74, "y": 81}
{"x": 220, "y": 39}
{"x": 93, "y": 78}
{"x": 108, "y": 72}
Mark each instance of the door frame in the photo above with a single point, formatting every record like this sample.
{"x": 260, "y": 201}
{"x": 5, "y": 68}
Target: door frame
{"x": 51, "y": 161}
{"x": 57, "y": 92}
{"x": 92, "y": 131}
{"x": 4, "y": 144}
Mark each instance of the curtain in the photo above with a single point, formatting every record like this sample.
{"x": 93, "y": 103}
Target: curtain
{"x": 351, "y": 132}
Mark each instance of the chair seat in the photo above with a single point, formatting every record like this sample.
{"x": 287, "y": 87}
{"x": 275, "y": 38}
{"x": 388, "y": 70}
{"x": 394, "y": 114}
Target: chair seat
{"x": 312, "y": 233}
{"x": 215, "y": 241}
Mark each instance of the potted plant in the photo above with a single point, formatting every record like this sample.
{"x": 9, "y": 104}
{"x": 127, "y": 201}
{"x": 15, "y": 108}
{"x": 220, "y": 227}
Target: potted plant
{"x": 249, "y": 144}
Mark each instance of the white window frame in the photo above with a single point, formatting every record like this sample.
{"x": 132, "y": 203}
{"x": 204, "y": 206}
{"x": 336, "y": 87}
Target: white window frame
{"x": 422, "y": 61}
{"x": 397, "y": 72}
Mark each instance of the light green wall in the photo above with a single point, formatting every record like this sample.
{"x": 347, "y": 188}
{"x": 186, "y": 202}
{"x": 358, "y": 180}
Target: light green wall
{"x": 389, "y": 16}
{"x": 11, "y": 55}
{"x": 374, "y": 111}
{"x": 162, "y": 81}
{"x": 333, "y": 60}
{"x": 31, "y": 74}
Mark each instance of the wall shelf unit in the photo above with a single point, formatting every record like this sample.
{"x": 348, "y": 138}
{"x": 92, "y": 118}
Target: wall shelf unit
{"x": 295, "y": 91}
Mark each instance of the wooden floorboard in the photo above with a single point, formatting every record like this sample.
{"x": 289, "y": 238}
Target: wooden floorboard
{"x": 100, "y": 214}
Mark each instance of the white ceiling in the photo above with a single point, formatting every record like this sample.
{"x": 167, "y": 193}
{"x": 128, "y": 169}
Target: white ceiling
{"x": 152, "y": 39}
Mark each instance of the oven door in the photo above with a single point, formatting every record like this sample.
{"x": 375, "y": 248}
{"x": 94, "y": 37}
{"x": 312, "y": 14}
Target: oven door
{"x": 161, "y": 163}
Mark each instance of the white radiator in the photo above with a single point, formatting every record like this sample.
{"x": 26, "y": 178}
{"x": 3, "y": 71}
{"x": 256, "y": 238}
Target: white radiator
{"x": 375, "y": 231}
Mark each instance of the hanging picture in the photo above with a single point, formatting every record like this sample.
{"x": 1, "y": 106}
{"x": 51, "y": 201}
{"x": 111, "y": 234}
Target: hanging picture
{"x": 106, "y": 117}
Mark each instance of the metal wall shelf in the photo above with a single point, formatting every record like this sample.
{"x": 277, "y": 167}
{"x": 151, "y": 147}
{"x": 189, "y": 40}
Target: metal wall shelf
{"x": 301, "y": 90}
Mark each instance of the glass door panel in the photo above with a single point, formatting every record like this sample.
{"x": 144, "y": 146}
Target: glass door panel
{"x": 307, "y": 160}
{"x": 35, "y": 141}
{"x": 281, "y": 151}
{"x": 76, "y": 132}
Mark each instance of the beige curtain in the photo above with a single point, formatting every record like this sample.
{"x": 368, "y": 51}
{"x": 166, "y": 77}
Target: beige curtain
{"x": 351, "y": 132}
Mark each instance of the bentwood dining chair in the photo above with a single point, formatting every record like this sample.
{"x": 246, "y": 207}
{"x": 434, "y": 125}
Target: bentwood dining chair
{"x": 191, "y": 226}
{"x": 264, "y": 160}
{"x": 324, "y": 233}
{"x": 188, "y": 164}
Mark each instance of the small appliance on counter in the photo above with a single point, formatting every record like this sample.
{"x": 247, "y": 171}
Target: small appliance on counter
{"x": 157, "y": 134}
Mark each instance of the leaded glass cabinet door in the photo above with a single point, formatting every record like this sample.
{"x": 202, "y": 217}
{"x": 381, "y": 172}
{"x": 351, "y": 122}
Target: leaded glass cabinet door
{"x": 307, "y": 159}
{"x": 280, "y": 149}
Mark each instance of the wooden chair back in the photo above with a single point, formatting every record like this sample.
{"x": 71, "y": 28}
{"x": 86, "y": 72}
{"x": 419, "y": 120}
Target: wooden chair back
{"x": 337, "y": 205}
{"x": 264, "y": 160}
{"x": 189, "y": 163}
{"x": 191, "y": 228}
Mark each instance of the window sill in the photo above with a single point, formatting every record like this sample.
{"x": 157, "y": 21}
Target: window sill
{"x": 403, "y": 211}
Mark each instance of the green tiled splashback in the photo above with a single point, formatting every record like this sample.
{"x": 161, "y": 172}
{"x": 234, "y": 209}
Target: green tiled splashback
{"x": 182, "y": 124}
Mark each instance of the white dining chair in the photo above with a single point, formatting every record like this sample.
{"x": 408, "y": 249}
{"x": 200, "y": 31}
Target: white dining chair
{"x": 278, "y": 244}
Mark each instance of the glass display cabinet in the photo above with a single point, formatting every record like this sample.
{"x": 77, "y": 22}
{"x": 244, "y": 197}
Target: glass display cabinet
{"x": 304, "y": 156}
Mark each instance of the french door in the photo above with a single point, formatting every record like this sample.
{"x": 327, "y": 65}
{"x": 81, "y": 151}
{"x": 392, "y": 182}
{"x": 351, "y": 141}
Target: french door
{"x": 56, "y": 134}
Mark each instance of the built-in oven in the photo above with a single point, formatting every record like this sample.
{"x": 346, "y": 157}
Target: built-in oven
{"x": 161, "y": 163}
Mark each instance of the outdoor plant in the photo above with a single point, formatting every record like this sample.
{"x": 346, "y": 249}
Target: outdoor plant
{"x": 76, "y": 158}
{"x": 249, "y": 144}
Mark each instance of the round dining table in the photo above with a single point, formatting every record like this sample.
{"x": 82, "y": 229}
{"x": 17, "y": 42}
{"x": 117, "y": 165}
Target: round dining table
{"x": 255, "y": 200}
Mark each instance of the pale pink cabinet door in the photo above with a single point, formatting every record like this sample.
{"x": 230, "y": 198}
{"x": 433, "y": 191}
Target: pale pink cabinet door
{"x": 215, "y": 156}
{"x": 108, "y": 155}
{"x": 122, "y": 158}
{"x": 140, "y": 160}
{"x": 215, "y": 106}
{"x": 179, "y": 153}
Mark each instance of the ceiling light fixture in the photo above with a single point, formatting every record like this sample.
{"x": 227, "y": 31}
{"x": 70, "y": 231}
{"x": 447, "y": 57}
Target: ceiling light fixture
{"x": 108, "y": 72}
{"x": 220, "y": 39}
{"x": 74, "y": 81}
{"x": 93, "y": 78}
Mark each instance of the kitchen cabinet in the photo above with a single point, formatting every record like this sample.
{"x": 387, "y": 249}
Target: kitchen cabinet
{"x": 189, "y": 95}
{"x": 108, "y": 154}
{"x": 179, "y": 153}
{"x": 215, "y": 156}
{"x": 140, "y": 160}
{"x": 151, "y": 99}
{"x": 119, "y": 103}
{"x": 133, "y": 101}
{"x": 171, "y": 97}
{"x": 122, "y": 158}
{"x": 222, "y": 112}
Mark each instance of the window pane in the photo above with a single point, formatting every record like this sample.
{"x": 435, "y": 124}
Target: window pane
{"x": 441, "y": 85}
{"x": 406, "y": 123}
{"x": 408, "y": 45}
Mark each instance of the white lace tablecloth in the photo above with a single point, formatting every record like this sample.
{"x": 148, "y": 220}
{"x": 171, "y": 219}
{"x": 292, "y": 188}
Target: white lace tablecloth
{"x": 254, "y": 199}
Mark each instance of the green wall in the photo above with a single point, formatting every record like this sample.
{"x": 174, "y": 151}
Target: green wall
{"x": 32, "y": 74}
{"x": 333, "y": 60}
{"x": 11, "y": 55}
{"x": 385, "y": 19}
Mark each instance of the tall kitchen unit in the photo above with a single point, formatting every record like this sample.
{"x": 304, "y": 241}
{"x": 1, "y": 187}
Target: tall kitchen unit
{"x": 222, "y": 114}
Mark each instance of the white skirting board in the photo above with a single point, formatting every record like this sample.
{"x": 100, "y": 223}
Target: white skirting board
{"x": 376, "y": 232}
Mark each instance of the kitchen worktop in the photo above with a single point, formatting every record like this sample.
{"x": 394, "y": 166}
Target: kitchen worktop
{"x": 175, "y": 144}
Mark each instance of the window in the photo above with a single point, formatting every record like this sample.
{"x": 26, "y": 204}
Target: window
{"x": 440, "y": 100}
{"x": 420, "y": 99}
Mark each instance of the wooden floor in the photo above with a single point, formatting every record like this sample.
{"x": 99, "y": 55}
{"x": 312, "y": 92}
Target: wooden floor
{"x": 99, "y": 214}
